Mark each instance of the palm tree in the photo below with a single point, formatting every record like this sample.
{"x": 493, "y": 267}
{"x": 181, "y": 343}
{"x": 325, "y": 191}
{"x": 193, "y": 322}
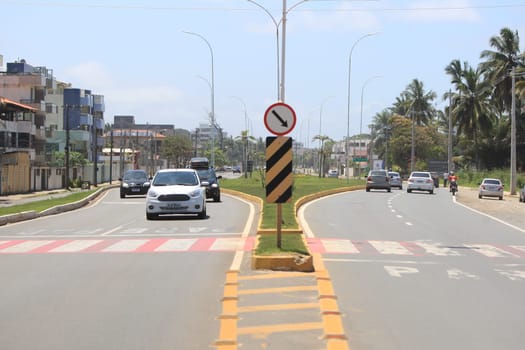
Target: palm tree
{"x": 472, "y": 110}
{"x": 416, "y": 102}
{"x": 499, "y": 64}
{"x": 323, "y": 139}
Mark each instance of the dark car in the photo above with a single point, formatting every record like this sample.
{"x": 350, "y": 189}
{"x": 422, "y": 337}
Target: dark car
{"x": 236, "y": 169}
{"x": 435, "y": 178}
{"x": 134, "y": 182}
{"x": 210, "y": 180}
{"x": 378, "y": 180}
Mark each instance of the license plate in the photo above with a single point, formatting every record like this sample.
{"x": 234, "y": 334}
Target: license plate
{"x": 135, "y": 190}
{"x": 174, "y": 206}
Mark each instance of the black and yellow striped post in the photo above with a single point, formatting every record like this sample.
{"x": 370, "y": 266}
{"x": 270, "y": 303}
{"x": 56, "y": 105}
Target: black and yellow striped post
{"x": 279, "y": 179}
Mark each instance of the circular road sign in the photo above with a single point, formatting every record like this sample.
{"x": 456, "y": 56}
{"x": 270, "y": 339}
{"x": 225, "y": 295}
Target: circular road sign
{"x": 280, "y": 119}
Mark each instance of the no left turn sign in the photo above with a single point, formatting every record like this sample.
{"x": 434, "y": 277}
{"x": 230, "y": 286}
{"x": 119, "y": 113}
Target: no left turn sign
{"x": 280, "y": 119}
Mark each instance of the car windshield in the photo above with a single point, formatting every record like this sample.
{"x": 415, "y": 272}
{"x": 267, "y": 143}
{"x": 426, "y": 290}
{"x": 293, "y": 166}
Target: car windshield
{"x": 492, "y": 182}
{"x": 420, "y": 175}
{"x": 393, "y": 174}
{"x": 183, "y": 178}
{"x": 135, "y": 175}
{"x": 377, "y": 173}
{"x": 206, "y": 174}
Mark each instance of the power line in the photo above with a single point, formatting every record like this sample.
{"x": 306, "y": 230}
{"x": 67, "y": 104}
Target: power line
{"x": 243, "y": 9}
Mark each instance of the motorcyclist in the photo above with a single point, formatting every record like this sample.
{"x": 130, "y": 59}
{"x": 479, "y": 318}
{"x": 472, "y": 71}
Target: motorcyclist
{"x": 453, "y": 180}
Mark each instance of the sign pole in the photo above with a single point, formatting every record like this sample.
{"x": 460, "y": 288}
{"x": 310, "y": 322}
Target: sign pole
{"x": 279, "y": 221}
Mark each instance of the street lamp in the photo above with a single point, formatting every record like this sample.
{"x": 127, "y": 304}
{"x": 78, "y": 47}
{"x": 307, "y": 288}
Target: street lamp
{"x": 361, "y": 118}
{"x": 348, "y": 101}
{"x": 280, "y": 83}
{"x": 212, "y": 97}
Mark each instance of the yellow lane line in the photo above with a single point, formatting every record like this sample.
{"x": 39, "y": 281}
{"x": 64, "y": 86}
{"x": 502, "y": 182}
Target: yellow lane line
{"x": 277, "y": 290}
{"x": 278, "y": 307}
{"x": 279, "y": 328}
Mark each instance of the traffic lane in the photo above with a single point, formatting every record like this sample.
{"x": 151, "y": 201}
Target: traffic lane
{"x": 400, "y": 216}
{"x": 414, "y": 303}
{"x": 111, "y": 301}
{"x": 388, "y": 288}
{"x": 112, "y": 216}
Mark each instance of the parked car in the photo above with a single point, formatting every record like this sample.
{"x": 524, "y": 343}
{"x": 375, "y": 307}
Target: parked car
{"x": 395, "y": 179}
{"x": 176, "y": 191}
{"x": 522, "y": 194}
{"x": 210, "y": 181}
{"x": 420, "y": 181}
{"x": 134, "y": 182}
{"x": 236, "y": 169}
{"x": 378, "y": 180}
{"x": 491, "y": 188}
{"x": 333, "y": 173}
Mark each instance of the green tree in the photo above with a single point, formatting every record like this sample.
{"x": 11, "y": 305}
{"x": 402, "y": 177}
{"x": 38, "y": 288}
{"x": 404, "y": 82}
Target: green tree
{"x": 416, "y": 103}
{"x": 177, "y": 150}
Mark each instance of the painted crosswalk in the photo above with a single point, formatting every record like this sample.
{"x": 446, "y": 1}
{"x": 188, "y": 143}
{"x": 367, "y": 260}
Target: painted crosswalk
{"x": 226, "y": 244}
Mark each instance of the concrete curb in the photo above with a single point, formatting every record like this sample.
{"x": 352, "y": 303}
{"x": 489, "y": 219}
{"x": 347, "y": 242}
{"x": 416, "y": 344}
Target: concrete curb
{"x": 287, "y": 262}
{"x": 29, "y": 215}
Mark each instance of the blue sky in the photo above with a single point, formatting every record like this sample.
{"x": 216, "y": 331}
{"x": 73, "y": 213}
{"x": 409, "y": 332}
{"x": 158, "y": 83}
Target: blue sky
{"x": 136, "y": 54}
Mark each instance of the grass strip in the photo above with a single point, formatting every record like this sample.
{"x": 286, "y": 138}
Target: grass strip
{"x": 41, "y": 205}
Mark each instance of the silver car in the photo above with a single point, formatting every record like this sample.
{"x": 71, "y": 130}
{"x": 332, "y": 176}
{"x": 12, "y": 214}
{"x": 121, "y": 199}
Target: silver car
{"x": 420, "y": 181}
{"x": 491, "y": 188}
{"x": 395, "y": 179}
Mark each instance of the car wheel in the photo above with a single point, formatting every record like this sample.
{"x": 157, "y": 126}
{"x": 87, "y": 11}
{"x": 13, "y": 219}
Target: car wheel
{"x": 389, "y": 190}
{"x": 409, "y": 191}
{"x": 217, "y": 197}
{"x": 202, "y": 214}
{"x": 501, "y": 198}
{"x": 151, "y": 216}
{"x": 401, "y": 188}
{"x": 431, "y": 191}
{"x": 367, "y": 190}
{"x": 480, "y": 196}
{"x": 122, "y": 195}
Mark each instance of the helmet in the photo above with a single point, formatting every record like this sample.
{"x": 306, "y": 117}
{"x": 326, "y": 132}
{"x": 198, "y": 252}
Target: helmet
{"x": 452, "y": 173}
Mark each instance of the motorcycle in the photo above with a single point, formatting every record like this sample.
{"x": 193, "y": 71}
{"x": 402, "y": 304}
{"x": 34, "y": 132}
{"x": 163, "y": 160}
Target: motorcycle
{"x": 453, "y": 187}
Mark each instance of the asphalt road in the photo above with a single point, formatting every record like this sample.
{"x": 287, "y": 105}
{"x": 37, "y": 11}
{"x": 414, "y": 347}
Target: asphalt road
{"x": 419, "y": 271}
{"x": 103, "y": 277}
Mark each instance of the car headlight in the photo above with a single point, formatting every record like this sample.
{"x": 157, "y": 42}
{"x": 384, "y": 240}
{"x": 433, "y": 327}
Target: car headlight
{"x": 152, "y": 194}
{"x": 125, "y": 185}
{"x": 196, "y": 193}
{"x": 214, "y": 185}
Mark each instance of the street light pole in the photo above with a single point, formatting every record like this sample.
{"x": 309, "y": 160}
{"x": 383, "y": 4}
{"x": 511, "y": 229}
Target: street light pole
{"x": 348, "y": 102}
{"x": 361, "y": 117}
{"x": 212, "y": 96}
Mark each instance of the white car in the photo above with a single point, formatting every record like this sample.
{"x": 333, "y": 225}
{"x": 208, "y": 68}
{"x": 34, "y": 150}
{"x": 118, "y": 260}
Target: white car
{"x": 420, "y": 181}
{"x": 176, "y": 191}
{"x": 491, "y": 188}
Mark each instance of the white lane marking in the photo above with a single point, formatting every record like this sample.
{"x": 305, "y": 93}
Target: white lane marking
{"x": 339, "y": 245}
{"x": 390, "y": 247}
{"x": 173, "y": 245}
{"x": 489, "y": 216}
{"x": 75, "y": 246}
{"x": 399, "y": 271}
{"x": 407, "y": 262}
{"x": 437, "y": 249}
{"x": 518, "y": 247}
{"x": 135, "y": 230}
{"x": 408, "y": 223}
{"x": 197, "y": 229}
{"x": 490, "y": 251}
{"x": 24, "y": 247}
{"x": 126, "y": 245}
{"x": 513, "y": 275}
{"x": 239, "y": 254}
{"x": 399, "y": 216}
{"x": 227, "y": 244}
{"x": 111, "y": 231}
{"x": 457, "y": 274}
